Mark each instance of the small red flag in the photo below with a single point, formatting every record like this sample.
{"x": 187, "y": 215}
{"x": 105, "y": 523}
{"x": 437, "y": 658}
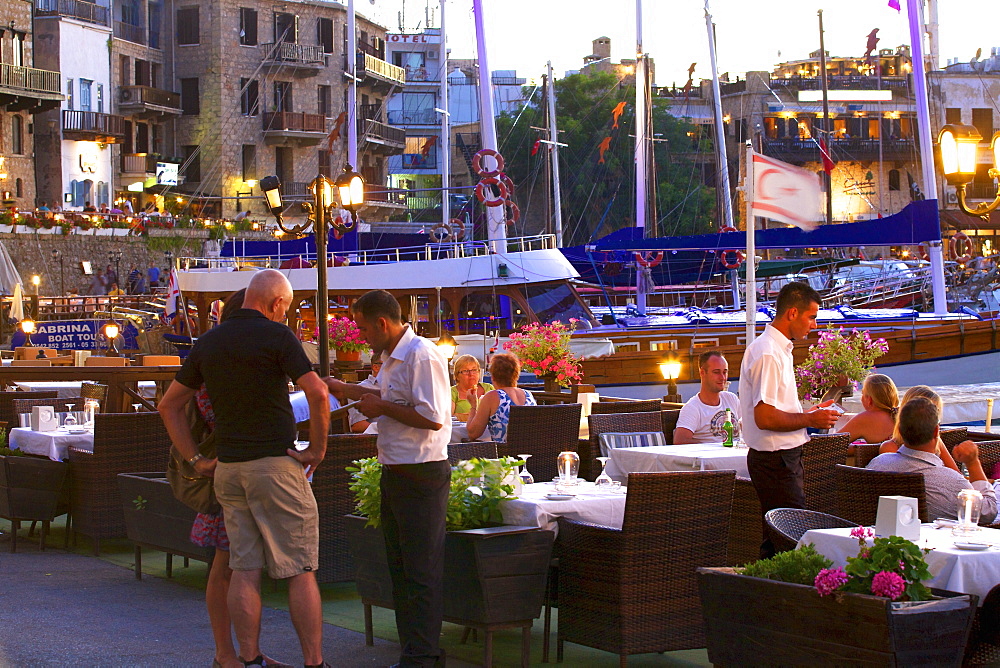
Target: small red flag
{"x": 828, "y": 162}
{"x": 534, "y": 147}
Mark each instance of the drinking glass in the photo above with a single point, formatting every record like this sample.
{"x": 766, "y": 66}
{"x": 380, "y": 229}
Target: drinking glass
{"x": 136, "y": 407}
{"x": 603, "y": 480}
{"x": 569, "y": 466}
{"x": 90, "y": 408}
{"x": 525, "y": 474}
{"x": 70, "y": 420}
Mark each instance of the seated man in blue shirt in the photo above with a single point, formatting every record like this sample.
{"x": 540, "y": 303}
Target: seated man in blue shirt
{"x": 918, "y": 425}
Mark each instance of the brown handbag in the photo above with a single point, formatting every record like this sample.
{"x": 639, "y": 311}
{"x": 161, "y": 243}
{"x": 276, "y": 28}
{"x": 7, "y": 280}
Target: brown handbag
{"x": 190, "y": 487}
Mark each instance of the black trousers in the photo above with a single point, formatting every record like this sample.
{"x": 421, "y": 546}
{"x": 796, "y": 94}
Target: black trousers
{"x": 777, "y": 479}
{"x": 414, "y": 504}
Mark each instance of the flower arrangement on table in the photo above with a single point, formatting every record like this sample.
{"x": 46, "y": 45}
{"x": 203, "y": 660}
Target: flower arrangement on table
{"x": 345, "y": 335}
{"x": 477, "y": 488}
{"x": 544, "y": 351}
{"x": 835, "y": 356}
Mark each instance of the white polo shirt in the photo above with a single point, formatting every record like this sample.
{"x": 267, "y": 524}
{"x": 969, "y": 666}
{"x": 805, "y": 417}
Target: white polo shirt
{"x": 768, "y": 374}
{"x": 415, "y": 374}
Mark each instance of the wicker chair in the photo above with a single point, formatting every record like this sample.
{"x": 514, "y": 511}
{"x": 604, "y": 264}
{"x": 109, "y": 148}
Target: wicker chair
{"x": 989, "y": 456}
{"x": 641, "y": 406}
{"x": 334, "y": 500}
{"x": 954, "y": 436}
{"x": 94, "y": 391}
{"x": 788, "y": 525}
{"x": 864, "y": 453}
{"x": 123, "y": 443}
{"x": 7, "y": 415}
{"x": 59, "y": 405}
{"x": 858, "y": 491}
{"x": 984, "y": 640}
{"x": 819, "y": 456}
{"x": 611, "y": 423}
{"x": 668, "y": 419}
{"x": 543, "y": 432}
{"x": 746, "y": 531}
{"x": 461, "y": 451}
{"x": 633, "y": 590}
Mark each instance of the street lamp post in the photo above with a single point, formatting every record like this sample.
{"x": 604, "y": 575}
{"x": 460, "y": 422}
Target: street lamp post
{"x": 116, "y": 257}
{"x": 959, "y": 145}
{"x": 57, "y": 256}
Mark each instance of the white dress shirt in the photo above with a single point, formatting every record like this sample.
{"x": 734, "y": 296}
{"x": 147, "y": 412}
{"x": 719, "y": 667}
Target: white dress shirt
{"x": 415, "y": 374}
{"x": 768, "y": 374}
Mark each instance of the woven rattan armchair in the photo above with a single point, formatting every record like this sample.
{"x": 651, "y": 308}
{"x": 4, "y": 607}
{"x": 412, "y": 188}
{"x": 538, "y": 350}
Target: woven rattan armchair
{"x": 746, "y": 532}
{"x": 953, "y": 436}
{"x": 668, "y": 421}
{"x": 7, "y": 415}
{"x": 59, "y": 405}
{"x": 123, "y": 443}
{"x": 612, "y": 423}
{"x": 864, "y": 453}
{"x": 334, "y": 500}
{"x": 543, "y": 432}
{"x": 819, "y": 455}
{"x": 461, "y": 451}
{"x": 788, "y": 525}
{"x": 858, "y": 491}
{"x": 633, "y": 590}
{"x": 989, "y": 456}
{"x": 641, "y": 406}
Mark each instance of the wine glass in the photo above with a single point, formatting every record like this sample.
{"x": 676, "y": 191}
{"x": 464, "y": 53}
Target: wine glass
{"x": 603, "y": 480}
{"x": 525, "y": 474}
{"x": 70, "y": 420}
{"x": 136, "y": 407}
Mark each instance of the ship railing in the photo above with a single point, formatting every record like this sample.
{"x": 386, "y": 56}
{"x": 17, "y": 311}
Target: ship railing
{"x": 430, "y": 251}
{"x": 881, "y": 287}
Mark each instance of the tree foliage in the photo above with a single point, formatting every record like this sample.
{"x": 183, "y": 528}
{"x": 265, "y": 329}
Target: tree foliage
{"x": 598, "y": 198}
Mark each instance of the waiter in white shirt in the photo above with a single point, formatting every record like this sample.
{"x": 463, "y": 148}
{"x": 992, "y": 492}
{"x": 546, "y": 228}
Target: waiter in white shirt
{"x": 774, "y": 425}
{"x": 412, "y": 404}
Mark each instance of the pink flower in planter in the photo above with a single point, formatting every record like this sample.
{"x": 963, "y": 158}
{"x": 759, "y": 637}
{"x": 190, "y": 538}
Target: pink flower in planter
{"x": 829, "y": 580}
{"x": 888, "y": 584}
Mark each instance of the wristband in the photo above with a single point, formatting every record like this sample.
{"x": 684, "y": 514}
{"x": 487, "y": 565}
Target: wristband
{"x": 194, "y": 460}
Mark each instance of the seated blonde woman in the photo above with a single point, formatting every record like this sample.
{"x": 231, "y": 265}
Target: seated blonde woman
{"x": 492, "y": 412}
{"x": 878, "y": 419}
{"x": 893, "y": 443}
{"x": 468, "y": 381}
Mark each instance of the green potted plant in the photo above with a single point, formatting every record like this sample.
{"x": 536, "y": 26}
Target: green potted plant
{"x": 495, "y": 574}
{"x": 345, "y": 338}
{"x": 794, "y": 609}
{"x": 837, "y": 360}
{"x": 544, "y": 350}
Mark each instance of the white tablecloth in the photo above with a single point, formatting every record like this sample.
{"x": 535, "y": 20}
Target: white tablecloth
{"x": 962, "y": 403}
{"x": 962, "y": 571}
{"x": 691, "y": 457}
{"x": 531, "y": 508}
{"x": 71, "y": 388}
{"x": 52, "y": 444}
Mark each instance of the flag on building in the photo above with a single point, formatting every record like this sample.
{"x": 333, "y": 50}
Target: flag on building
{"x": 824, "y": 152}
{"x": 173, "y": 294}
{"x": 786, "y": 193}
{"x": 895, "y": 5}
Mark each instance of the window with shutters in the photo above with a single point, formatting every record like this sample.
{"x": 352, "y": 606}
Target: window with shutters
{"x": 249, "y": 97}
{"x": 893, "y": 179}
{"x": 125, "y": 70}
{"x": 286, "y": 28}
{"x": 248, "y": 26}
{"x": 982, "y": 119}
{"x": 282, "y": 96}
{"x": 188, "y": 26}
{"x": 953, "y": 116}
{"x": 323, "y": 101}
{"x": 16, "y": 135}
{"x": 249, "y": 161}
{"x": 190, "y": 97}
{"x": 324, "y": 34}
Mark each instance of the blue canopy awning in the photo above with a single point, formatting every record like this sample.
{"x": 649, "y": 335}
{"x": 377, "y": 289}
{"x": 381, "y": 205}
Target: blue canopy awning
{"x": 916, "y": 224}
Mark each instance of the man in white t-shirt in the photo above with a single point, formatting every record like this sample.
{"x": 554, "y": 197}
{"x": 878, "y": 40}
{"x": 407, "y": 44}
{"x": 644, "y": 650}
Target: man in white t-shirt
{"x": 702, "y": 417}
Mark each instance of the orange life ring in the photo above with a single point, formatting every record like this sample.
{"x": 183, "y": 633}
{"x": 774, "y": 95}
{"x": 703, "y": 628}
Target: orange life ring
{"x": 481, "y": 193}
{"x": 447, "y": 234}
{"x": 922, "y": 252}
{"x": 458, "y": 228}
{"x": 965, "y": 254}
{"x": 504, "y": 179}
{"x": 731, "y": 265}
{"x": 728, "y": 228}
{"x": 515, "y": 211}
{"x": 477, "y": 160}
{"x": 645, "y": 259}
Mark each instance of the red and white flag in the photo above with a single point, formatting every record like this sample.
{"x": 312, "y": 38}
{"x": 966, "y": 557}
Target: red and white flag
{"x": 786, "y": 193}
{"x": 173, "y": 294}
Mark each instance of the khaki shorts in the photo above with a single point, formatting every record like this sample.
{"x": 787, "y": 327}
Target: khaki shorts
{"x": 271, "y": 516}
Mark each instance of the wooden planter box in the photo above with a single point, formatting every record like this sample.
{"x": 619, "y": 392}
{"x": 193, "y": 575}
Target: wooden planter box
{"x": 494, "y": 578}
{"x": 157, "y": 520}
{"x": 30, "y": 491}
{"x": 752, "y": 621}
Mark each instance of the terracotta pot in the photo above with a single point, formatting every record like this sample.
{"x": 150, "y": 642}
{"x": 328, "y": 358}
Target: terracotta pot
{"x": 551, "y": 385}
{"x": 348, "y": 355}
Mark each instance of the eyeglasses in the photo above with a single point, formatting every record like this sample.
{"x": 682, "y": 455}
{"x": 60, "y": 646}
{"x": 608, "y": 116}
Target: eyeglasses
{"x": 468, "y": 372}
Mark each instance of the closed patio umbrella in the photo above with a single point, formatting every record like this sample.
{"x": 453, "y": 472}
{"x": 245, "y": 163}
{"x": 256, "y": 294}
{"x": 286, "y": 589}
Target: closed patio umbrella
{"x": 17, "y": 304}
{"x": 9, "y": 276}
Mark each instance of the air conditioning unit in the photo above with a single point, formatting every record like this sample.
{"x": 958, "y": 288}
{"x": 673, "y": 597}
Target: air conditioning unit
{"x": 432, "y": 55}
{"x": 952, "y": 197}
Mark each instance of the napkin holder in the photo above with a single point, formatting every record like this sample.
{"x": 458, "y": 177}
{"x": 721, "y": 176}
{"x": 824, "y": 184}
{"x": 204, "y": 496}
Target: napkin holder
{"x": 80, "y": 357}
{"x": 898, "y": 516}
{"x": 44, "y": 418}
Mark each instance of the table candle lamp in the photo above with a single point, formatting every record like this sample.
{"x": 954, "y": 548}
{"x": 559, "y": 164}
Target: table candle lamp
{"x": 970, "y": 504}
{"x": 569, "y": 466}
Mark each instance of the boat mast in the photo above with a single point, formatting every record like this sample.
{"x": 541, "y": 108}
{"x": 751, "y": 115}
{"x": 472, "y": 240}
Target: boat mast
{"x": 496, "y": 228}
{"x": 641, "y": 153}
{"x": 554, "y": 154}
{"x": 828, "y": 143}
{"x": 445, "y": 149}
{"x": 352, "y": 89}
{"x": 720, "y": 137}
{"x": 926, "y": 148}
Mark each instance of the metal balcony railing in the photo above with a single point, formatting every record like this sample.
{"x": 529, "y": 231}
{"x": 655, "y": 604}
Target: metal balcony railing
{"x": 841, "y": 149}
{"x": 841, "y": 83}
{"x": 981, "y": 191}
{"x": 130, "y": 33}
{"x": 370, "y": 112}
{"x": 374, "y": 130}
{"x": 294, "y": 121}
{"x": 414, "y": 117}
{"x": 295, "y": 189}
{"x": 28, "y": 79}
{"x": 383, "y": 195}
{"x": 77, "y": 9}
{"x": 92, "y": 122}
{"x": 129, "y": 95}
{"x": 293, "y": 54}
{"x": 370, "y": 64}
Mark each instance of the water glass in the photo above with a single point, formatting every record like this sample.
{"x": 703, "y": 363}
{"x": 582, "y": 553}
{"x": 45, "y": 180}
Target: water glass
{"x": 569, "y": 467}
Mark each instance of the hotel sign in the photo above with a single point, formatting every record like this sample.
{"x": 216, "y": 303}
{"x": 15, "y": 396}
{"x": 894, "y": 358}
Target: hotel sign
{"x": 413, "y": 39}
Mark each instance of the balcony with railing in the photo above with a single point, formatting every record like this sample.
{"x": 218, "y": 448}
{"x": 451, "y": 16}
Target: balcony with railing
{"x": 294, "y": 128}
{"x": 981, "y": 190}
{"x": 138, "y": 164}
{"x": 376, "y": 195}
{"x": 381, "y": 136}
{"x": 147, "y": 102}
{"x": 28, "y": 88}
{"x": 854, "y": 149}
{"x": 295, "y": 190}
{"x": 414, "y": 117}
{"x": 93, "y": 126}
{"x": 130, "y": 33}
{"x": 74, "y": 9}
{"x": 301, "y": 60}
{"x": 841, "y": 83}
{"x": 373, "y": 70}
